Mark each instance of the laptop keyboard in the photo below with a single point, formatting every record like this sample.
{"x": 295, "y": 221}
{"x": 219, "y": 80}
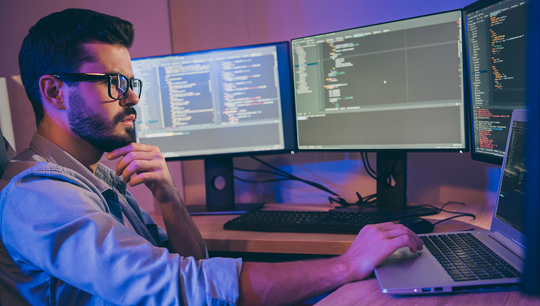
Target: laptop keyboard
{"x": 306, "y": 221}
{"x": 466, "y": 258}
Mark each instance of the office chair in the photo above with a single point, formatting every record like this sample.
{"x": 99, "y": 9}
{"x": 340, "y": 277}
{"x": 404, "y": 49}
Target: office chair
{"x": 6, "y": 153}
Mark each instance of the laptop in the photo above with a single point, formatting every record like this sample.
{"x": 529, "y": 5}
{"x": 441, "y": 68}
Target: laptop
{"x": 457, "y": 261}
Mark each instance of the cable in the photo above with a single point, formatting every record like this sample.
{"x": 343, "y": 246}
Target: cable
{"x": 257, "y": 170}
{"x": 448, "y": 211}
{"x": 257, "y": 182}
{"x": 377, "y": 176}
{"x": 362, "y": 201}
{"x": 367, "y": 166}
{"x": 285, "y": 176}
{"x": 292, "y": 177}
{"x": 460, "y": 215}
{"x": 339, "y": 201}
{"x": 272, "y": 167}
{"x": 368, "y": 163}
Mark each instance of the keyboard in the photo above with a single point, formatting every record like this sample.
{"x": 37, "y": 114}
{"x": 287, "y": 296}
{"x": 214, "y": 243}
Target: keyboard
{"x": 466, "y": 258}
{"x": 306, "y": 221}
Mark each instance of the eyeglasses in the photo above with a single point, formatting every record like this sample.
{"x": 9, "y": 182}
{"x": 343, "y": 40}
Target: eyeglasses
{"x": 119, "y": 84}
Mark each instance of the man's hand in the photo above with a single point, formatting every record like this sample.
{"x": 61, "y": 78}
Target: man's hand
{"x": 374, "y": 244}
{"x": 143, "y": 163}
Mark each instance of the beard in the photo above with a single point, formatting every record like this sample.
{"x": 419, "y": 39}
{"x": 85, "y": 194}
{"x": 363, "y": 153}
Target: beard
{"x": 96, "y": 130}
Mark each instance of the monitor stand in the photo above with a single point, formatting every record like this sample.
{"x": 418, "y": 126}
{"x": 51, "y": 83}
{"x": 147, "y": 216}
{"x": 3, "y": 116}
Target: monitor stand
{"x": 392, "y": 193}
{"x": 219, "y": 181}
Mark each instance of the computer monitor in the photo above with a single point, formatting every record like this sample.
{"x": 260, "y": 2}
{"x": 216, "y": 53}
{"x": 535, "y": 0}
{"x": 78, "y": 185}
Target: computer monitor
{"x": 215, "y": 105}
{"x": 392, "y": 88}
{"x": 495, "y": 47}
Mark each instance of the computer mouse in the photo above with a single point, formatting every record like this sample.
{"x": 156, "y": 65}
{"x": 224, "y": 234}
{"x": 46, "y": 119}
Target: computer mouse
{"x": 418, "y": 225}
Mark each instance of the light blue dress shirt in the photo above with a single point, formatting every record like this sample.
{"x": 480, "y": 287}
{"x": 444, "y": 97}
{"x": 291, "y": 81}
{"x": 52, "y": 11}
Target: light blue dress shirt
{"x": 63, "y": 241}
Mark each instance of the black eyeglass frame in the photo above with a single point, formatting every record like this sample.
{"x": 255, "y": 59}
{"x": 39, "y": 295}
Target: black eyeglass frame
{"x": 82, "y": 77}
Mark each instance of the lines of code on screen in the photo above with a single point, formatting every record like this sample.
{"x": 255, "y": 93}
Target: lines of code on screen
{"x": 396, "y": 85}
{"x": 496, "y": 51}
{"x": 210, "y": 102}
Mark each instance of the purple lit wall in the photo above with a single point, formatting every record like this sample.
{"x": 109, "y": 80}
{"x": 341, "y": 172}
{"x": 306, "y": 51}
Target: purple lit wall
{"x": 200, "y": 25}
{"x": 205, "y": 24}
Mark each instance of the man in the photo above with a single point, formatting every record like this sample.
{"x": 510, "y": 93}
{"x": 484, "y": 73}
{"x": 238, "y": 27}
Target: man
{"x": 70, "y": 232}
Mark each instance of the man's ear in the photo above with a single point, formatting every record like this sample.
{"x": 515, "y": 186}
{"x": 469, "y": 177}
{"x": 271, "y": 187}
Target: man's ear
{"x": 52, "y": 91}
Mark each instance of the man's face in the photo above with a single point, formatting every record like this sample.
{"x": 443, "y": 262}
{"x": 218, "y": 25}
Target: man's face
{"x": 105, "y": 123}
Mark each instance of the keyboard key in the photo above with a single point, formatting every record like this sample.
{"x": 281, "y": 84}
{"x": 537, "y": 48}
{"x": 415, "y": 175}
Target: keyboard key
{"x": 462, "y": 279}
{"x": 490, "y": 277}
{"x": 454, "y": 273}
{"x": 465, "y": 258}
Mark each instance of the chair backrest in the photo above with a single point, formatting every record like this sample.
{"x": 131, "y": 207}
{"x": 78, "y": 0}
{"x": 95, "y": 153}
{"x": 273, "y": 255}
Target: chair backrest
{"x": 3, "y": 153}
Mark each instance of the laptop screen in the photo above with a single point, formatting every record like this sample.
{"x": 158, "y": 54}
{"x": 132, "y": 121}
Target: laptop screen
{"x": 511, "y": 195}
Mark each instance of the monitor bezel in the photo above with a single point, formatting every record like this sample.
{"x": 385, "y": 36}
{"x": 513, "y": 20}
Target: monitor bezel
{"x": 286, "y": 93}
{"x": 466, "y": 96}
{"x": 475, "y": 154}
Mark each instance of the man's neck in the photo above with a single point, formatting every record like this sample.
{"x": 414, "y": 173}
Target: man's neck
{"x": 85, "y": 153}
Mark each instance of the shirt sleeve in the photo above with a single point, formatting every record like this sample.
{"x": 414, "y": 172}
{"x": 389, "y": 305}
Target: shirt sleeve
{"x": 161, "y": 233}
{"x": 76, "y": 241}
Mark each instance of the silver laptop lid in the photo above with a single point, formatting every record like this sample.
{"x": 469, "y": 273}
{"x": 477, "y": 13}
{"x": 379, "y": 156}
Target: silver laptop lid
{"x": 507, "y": 219}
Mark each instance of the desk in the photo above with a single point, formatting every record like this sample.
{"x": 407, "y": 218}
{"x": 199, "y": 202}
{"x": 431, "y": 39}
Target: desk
{"x": 219, "y": 240}
{"x": 366, "y": 292}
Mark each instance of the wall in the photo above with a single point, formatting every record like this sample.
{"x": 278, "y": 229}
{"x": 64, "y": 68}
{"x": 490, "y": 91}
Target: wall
{"x": 205, "y": 24}
{"x": 433, "y": 177}
{"x": 152, "y": 37}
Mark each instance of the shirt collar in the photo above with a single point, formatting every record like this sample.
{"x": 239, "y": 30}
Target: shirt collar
{"x": 104, "y": 178}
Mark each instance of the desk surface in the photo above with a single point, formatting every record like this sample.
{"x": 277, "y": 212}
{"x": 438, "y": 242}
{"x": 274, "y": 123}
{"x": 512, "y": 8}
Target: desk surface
{"x": 367, "y": 292}
{"x": 220, "y": 240}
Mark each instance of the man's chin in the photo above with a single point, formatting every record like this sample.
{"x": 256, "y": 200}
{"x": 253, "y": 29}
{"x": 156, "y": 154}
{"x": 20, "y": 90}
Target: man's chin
{"x": 128, "y": 133}
{"x": 112, "y": 143}
{"x": 125, "y": 135}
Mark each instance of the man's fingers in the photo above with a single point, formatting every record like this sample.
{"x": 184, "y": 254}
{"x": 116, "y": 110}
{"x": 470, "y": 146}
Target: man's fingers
{"x": 396, "y": 234}
{"x": 386, "y": 226}
{"x": 120, "y": 152}
{"x": 406, "y": 241}
{"x": 402, "y": 230}
{"x": 397, "y": 231}
{"x": 138, "y": 166}
{"x": 143, "y": 178}
{"x": 130, "y": 157}
{"x": 129, "y": 148}
{"x": 142, "y": 163}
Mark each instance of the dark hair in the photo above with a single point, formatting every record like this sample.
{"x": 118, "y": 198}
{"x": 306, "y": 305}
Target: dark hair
{"x": 55, "y": 45}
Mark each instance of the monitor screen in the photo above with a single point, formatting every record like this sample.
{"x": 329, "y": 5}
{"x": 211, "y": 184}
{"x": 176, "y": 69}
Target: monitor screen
{"x": 390, "y": 86}
{"x": 496, "y": 36}
{"x": 235, "y": 101}
{"x": 512, "y": 192}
